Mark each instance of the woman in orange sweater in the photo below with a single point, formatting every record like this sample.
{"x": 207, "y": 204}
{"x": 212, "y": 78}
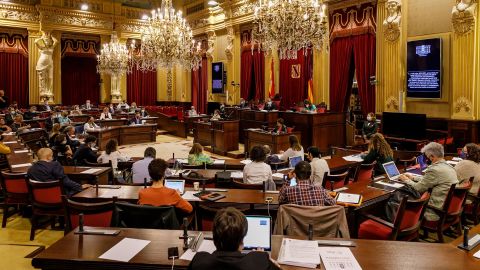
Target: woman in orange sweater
{"x": 159, "y": 195}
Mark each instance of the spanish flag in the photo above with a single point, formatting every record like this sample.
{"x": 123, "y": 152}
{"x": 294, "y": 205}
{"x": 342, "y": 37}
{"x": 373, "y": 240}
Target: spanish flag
{"x": 310, "y": 91}
{"x": 271, "y": 90}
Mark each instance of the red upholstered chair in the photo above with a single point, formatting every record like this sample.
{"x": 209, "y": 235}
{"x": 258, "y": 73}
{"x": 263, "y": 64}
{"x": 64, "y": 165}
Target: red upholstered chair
{"x": 450, "y": 213}
{"x": 334, "y": 181}
{"x": 405, "y": 226}
{"x": 364, "y": 172}
{"x": 94, "y": 214}
{"x": 472, "y": 209}
{"x": 180, "y": 114}
{"x": 46, "y": 201}
{"x": 15, "y": 193}
{"x": 290, "y": 129}
{"x": 321, "y": 110}
{"x": 277, "y": 104}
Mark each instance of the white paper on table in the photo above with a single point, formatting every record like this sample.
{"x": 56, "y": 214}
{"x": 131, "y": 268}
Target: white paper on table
{"x": 125, "y": 250}
{"x": 338, "y": 258}
{"x": 353, "y": 158}
{"x": 91, "y": 171}
{"x": 395, "y": 185}
{"x": 457, "y": 159}
{"x": 477, "y": 254}
{"x": 299, "y": 252}
{"x": 21, "y": 151}
{"x": 278, "y": 175}
{"x": 219, "y": 161}
{"x": 182, "y": 160}
{"x": 21, "y": 165}
{"x": 348, "y": 198}
{"x": 10, "y": 142}
{"x": 236, "y": 174}
{"x": 340, "y": 189}
{"x": 110, "y": 193}
{"x": 451, "y": 162}
{"x": 246, "y": 161}
{"x": 188, "y": 196}
{"x": 9, "y": 133}
{"x": 206, "y": 246}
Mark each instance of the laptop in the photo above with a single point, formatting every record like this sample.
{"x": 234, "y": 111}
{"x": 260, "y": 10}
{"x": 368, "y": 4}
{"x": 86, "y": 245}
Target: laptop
{"x": 178, "y": 185}
{"x": 391, "y": 170}
{"x": 293, "y": 161}
{"x": 259, "y": 234}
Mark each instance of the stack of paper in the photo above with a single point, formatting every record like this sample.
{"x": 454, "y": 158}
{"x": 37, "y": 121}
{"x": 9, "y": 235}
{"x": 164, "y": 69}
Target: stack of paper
{"x": 246, "y": 161}
{"x": 278, "y": 175}
{"x": 393, "y": 184}
{"x": 238, "y": 175}
{"x": 219, "y": 162}
{"x": 188, "y": 196}
{"x": 125, "y": 250}
{"x": 348, "y": 198}
{"x": 301, "y": 253}
{"x": 353, "y": 158}
{"x": 338, "y": 258}
{"x": 206, "y": 245}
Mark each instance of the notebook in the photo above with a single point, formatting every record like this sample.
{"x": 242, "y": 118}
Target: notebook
{"x": 178, "y": 185}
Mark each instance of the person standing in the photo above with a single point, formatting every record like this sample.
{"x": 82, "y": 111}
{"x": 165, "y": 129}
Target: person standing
{"x": 3, "y": 100}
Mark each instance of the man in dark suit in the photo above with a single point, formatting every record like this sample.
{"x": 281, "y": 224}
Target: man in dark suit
{"x": 30, "y": 114}
{"x": 45, "y": 169}
{"x": 137, "y": 120}
{"x": 3, "y": 100}
{"x": 143, "y": 112}
{"x": 229, "y": 228}
{"x": 85, "y": 151}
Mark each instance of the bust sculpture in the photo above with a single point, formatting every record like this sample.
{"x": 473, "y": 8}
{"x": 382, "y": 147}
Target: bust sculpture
{"x": 463, "y": 16}
{"x": 393, "y": 20}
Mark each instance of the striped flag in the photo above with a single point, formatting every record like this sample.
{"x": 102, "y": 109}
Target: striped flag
{"x": 271, "y": 90}
{"x": 310, "y": 90}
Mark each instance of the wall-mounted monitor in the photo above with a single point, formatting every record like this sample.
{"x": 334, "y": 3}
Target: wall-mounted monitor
{"x": 424, "y": 68}
{"x": 218, "y": 82}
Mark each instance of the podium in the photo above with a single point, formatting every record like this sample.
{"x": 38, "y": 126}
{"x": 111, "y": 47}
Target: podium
{"x": 221, "y": 135}
{"x": 277, "y": 142}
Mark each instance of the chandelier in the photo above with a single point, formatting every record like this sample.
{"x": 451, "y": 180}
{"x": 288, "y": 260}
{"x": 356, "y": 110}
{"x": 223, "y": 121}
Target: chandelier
{"x": 114, "y": 58}
{"x": 167, "y": 40}
{"x": 290, "y": 25}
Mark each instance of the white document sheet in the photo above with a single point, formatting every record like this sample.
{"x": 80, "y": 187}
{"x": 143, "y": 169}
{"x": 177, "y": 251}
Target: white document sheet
{"x": 219, "y": 161}
{"x": 10, "y": 142}
{"x": 395, "y": 185}
{"x": 182, "y": 160}
{"x": 21, "y": 151}
{"x": 338, "y": 258}
{"x": 353, "y": 158}
{"x": 125, "y": 250}
{"x": 206, "y": 245}
{"x": 278, "y": 175}
{"x": 477, "y": 254}
{"x": 21, "y": 165}
{"x": 91, "y": 171}
{"x": 348, "y": 198}
{"x": 188, "y": 196}
{"x": 9, "y": 133}
{"x": 237, "y": 175}
{"x": 246, "y": 161}
{"x": 302, "y": 253}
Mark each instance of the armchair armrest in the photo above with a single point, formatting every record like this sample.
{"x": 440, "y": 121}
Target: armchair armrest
{"x": 379, "y": 220}
{"x": 436, "y": 209}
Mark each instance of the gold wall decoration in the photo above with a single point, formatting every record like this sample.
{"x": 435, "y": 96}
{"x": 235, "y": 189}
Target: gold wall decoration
{"x": 392, "y": 104}
{"x": 230, "y": 38}
{"x": 243, "y": 8}
{"x": 211, "y": 44}
{"x": 392, "y": 22}
{"x": 462, "y": 104}
{"x": 169, "y": 85}
{"x": 18, "y": 13}
{"x": 463, "y": 16}
{"x": 58, "y": 16}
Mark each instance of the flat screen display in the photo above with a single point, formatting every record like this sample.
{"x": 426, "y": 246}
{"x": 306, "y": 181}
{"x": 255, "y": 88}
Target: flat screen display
{"x": 424, "y": 65}
{"x": 217, "y": 78}
{"x": 404, "y": 125}
{"x": 259, "y": 233}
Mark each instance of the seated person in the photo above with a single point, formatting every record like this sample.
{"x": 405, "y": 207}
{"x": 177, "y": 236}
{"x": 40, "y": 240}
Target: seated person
{"x": 111, "y": 154}
{"x": 319, "y": 166}
{"x": 87, "y": 105}
{"x": 439, "y": 176}
{"x": 12, "y": 112}
{"x": 111, "y": 108}
{"x": 61, "y": 146}
{"x": 257, "y": 171}
{"x": 270, "y": 158}
{"x": 140, "y": 168}
{"x": 85, "y": 152}
{"x": 31, "y": 113}
{"x": 3, "y": 148}
{"x": 192, "y": 111}
{"x": 222, "y": 110}
{"x": 309, "y": 107}
{"x": 45, "y": 169}
{"x": 469, "y": 167}
{"x": 105, "y": 114}
{"x": 197, "y": 157}
{"x": 269, "y": 105}
{"x": 50, "y": 120}
{"x": 159, "y": 195}
{"x": 378, "y": 150}
{"x": 90, "y": 125}
{"x": 369, "y": 127}
{"x": 296, "y": 149}
{"x": 76, "y": 110}
{"x": 304, "y": 192}
{"x": 72, "y": 139}
{"x": 136, "y": 120}
{"x": 133, "y": 107}
{"x": 122, "y": 105}
{"x": 3, "y": 126}
{"x": 18, "y": 124}
{"x": 143, "y": 112}
{"x": 216, "y": 115}
{"x": 64, "y": 120}
{"x": 280, "y": 126}
{"x": 53, "y": 134}
{"x": 243, "y": 103}
{"x": 46, "y": 106}
{"x": 229, "y": 229}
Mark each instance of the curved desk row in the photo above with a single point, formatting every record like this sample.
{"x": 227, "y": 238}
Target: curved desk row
{"x": 125, "y": 134}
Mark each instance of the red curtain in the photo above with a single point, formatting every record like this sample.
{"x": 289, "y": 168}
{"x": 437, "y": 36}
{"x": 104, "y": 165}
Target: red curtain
{"x": 199, "y": 87}
{"x": 259, "y": 75}
{"x": 142, "y": 87}
{"x": 14, "y": 77}
{"x": 80, "y": 80}
{"x": 294, "y": 77}
{"x": 246, "y": 74}
{"x": 364, "y": 55}
{"x": 340, "y": 69}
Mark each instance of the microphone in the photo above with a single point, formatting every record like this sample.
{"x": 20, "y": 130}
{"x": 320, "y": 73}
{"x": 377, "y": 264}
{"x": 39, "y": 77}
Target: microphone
{"x": 145, "y": 182}
{"x": 80, "y": 222}
{"x": 465, "y": 236}
{"x": 310, "y": 231}
{"x": 203, "y": 184}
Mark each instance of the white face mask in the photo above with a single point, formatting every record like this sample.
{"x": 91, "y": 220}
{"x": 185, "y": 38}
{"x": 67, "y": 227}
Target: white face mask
{"x": 369, "y": 118}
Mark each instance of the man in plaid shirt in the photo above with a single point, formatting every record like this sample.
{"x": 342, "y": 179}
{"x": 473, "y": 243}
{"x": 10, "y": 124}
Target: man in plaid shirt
{"x": 304, "y": 193}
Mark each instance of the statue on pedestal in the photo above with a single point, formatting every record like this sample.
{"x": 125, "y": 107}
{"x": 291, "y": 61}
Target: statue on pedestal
{"x": 45, "y": 44}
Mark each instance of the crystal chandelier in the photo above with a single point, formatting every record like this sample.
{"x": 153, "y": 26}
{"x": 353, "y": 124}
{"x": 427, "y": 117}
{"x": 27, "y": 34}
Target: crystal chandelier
{"x": 113, "y": 58}
{"x": 290, "y": 25}
{"x": 167, "y": 40}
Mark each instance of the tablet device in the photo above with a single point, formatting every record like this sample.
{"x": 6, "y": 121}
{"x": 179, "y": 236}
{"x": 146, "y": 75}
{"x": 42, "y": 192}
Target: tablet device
{"x": 293, "y": 161}
{"x": 259, "y": 234}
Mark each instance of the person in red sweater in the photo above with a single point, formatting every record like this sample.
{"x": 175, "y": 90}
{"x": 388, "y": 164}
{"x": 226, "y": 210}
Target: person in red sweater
{"x": 158, "y": 194}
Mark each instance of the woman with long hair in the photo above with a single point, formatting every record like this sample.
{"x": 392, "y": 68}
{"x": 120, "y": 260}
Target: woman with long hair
{"x": 112, "y": 154}
{"x": 296, "y": 149}
{"x": 197, "y": 157}
{"x": 469, "y": 167}
{"x": 378, "y": 150}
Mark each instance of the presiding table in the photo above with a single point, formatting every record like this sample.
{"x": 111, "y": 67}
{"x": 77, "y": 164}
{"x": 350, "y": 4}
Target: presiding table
{"x": 221, "y": 135}
{"x": 82, "y": 252}
{"x": 125, "y": 134}
{"x": 277, "y": 142}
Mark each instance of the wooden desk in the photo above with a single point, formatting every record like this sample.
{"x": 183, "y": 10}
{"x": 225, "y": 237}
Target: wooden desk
{"x": 125, "y": 134}
{"x": 221, "y": 135}
{"x": 82, "y": 251}
{"x": 76, "y": 173}
{"x": 473, "y": 231}
{"x": 277, "y": 142}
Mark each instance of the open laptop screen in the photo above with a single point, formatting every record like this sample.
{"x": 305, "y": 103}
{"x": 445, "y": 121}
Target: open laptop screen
{"x": 391, "y": 169}
{"x": 259, "y": 233}
{"x": 175, "y": 184}
{"x": 293, "y": 161}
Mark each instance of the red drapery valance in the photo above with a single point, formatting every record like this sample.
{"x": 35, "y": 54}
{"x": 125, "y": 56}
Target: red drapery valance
{"x": 354, "y": 20}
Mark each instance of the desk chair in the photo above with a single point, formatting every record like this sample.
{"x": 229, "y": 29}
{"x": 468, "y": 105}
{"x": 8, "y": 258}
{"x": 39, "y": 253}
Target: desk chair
{"x": 239, "y": 184}
{"x": 405, "y": 227}
{"x": 334, "y": 181}
{"x": 127, "y": 215}
{"x": 46, "y": 200}
{"x": 450, "y": 213}
{"x": 15, "y": 193}
{"x": 472, "y": 208}
{"x": 94, "y": 214}
{"x": 364, "y": 172}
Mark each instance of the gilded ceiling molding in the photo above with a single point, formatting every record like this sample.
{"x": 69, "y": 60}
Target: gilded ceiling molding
{"x": 243, "y": 8}
{"x": 393, "y": 21}
{"x": 18, "y": 12}
{"x": 52, "y": 15}
{"x": 463, "y": 16}
{"x": 462, "y": 104}
{"x": 132, "y": 26}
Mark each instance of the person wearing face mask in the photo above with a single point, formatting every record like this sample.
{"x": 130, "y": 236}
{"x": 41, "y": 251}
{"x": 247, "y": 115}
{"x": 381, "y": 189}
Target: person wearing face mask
{"x": 439, "y": 176}
{"x": 378, "y": 150}
{"x": 61, "y": 146}
{"x": 280, "y": 126}
{"x": 46, "y": 106}
{"x": 309, "y": 107}
{"x": 137, "y": 120}
{"x": 469, "y": 167}
{"x": 90, "y": 125}
{"x": 85, "y": 152}
{"x": 10, "y": 115}
{"x": 222, "y": 110}
{"x": 111, "y": 108}
{"x": 133, "y": 107}
{"x": 269, "y": 105}
{"x": 87, "y": 105}
{"x": 105, "y": 114}
{"x": 45, "y": 169}
{"x": 370, "y": 127}
{"x": 192, "y": 111}
{"x": 143, "y": 113}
